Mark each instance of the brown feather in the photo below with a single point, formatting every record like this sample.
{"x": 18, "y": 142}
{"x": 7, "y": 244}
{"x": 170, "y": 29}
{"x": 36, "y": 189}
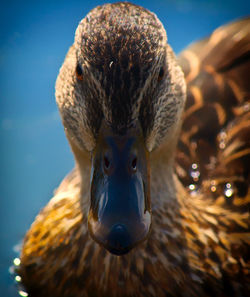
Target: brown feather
{"x": 199, "y": 242}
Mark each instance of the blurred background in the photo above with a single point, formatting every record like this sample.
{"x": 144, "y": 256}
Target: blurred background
{"x": 34, "y": 154}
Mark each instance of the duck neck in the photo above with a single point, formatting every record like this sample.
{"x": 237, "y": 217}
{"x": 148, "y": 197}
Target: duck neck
{"x": 83, "y": 166}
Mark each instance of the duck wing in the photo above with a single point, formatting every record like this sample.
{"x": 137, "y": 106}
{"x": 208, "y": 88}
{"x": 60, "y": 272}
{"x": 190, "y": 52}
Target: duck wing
{"x": 214, "y": 148}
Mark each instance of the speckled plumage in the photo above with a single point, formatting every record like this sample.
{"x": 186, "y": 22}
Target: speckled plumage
{"x": 199, "y": 244}
{"x": 120, "y": 61}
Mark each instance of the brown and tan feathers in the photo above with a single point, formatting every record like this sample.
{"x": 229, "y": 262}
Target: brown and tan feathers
{"x": 198, "y": 246}
{"x": 60, "y": 257}
{"x": 216, "y": 129}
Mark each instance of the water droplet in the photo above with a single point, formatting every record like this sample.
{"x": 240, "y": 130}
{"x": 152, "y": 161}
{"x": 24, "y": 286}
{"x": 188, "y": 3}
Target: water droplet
{"x": 195, "y": 175}
{"x": 247, "y": 106}
{"x": 222, "y": 139}
{"x": 18, "y": 278}
{"x": 194, "y": 166}
{"x": 23, "y": 293}
{"x": 17, "y": 261}
{"x": 222, "y": 145}
{"x": 192, "y": 187}
{"x": 213, "y": 187}
{"x": 17, "y": 248}
{"x": 11, "y": 269}
{"x": 228, "y": 191}
{"x": 194, "y": 172}
{"x": 110, "y": 64}
{"x": 223, "y": 135}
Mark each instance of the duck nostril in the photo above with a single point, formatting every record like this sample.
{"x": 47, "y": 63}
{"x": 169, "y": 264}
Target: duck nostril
{"x": 106, "y": 163}
{"x": 134, "y": 164}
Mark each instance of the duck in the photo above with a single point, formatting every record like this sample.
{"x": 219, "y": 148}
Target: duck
{"x": 158, "y": 201}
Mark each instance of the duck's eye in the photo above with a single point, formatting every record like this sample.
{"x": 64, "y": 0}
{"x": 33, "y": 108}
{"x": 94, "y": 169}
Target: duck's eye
{"x": 134, "y": 164}
{"x": 79, "y": 73}
{"x": 161, "y": 74}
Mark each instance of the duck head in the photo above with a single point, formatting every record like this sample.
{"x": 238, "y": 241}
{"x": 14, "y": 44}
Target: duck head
{"x": 120, "y": 94}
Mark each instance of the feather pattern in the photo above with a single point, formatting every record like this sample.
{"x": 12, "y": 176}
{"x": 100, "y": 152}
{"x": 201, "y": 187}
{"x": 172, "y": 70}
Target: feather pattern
{"x": 199, "y": 242}
{"x": 216, "y": 118}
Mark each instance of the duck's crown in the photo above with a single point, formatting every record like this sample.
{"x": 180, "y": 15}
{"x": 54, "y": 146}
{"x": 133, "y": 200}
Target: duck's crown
{"x": 126, "y": 74}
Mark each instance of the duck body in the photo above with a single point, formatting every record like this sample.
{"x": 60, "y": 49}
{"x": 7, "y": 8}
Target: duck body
{"x": 198, "y": 243}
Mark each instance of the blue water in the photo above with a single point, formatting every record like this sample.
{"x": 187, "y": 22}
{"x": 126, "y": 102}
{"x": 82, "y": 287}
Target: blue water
{"x": 34, "y": 38}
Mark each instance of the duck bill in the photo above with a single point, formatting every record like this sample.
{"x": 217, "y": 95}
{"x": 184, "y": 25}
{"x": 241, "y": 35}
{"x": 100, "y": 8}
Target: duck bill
{"x": 119, "y": 216}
